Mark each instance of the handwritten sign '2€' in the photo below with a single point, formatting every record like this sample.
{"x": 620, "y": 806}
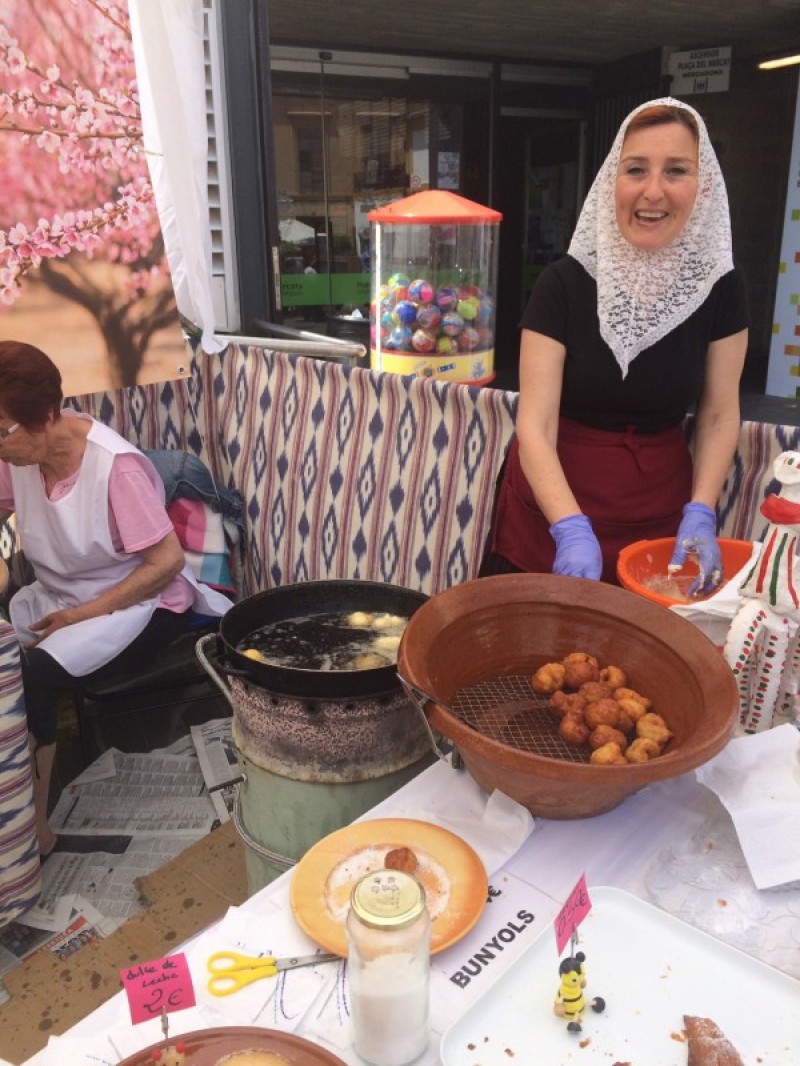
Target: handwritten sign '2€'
{"x": 572, "y": 913}
{"x": 158, "y": 986}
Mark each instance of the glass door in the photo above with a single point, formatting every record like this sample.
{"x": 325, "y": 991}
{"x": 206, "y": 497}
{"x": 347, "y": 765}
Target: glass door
{"x": 341, "y": 151}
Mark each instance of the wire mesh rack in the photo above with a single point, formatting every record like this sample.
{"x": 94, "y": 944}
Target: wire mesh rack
{"x": 507, "y": 710}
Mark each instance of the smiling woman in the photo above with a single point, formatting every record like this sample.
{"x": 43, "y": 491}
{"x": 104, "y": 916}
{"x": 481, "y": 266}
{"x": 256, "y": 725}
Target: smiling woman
{"x": 656, "y": 182}
{"x": 644, "y": 317}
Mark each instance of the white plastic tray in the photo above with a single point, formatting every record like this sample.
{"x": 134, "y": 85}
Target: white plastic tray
{"x": 651, "y": 969}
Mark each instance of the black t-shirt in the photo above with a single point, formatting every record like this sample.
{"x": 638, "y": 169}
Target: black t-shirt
{"x": 663, "y": 381}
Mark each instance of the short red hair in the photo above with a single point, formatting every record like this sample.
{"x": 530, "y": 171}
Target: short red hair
{"x": 30, "y": 384}
{"x": 663, "y": 115}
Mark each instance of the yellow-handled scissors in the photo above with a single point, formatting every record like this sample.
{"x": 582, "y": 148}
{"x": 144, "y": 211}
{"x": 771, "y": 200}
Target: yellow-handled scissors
{"x": 231, "y": 971}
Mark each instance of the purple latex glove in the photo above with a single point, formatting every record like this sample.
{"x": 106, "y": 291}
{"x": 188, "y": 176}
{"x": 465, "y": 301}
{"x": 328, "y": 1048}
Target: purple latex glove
{"x": 577, "y": 548}
{"x": 697, "y": 533}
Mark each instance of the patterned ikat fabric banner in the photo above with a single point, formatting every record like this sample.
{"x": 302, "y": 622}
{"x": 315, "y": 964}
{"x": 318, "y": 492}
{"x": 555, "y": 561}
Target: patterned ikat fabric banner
{"x": 352, "y": 474}
{"x": 346, "y": 473}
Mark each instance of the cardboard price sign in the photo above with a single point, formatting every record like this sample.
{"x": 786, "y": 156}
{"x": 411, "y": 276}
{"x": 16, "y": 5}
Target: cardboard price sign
{"x": 153, "y": 988}
{"x": 572, "y": 913}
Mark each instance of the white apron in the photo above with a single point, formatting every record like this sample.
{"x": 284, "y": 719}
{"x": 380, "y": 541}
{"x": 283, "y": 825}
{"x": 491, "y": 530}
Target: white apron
{"x": 68, "y": 543}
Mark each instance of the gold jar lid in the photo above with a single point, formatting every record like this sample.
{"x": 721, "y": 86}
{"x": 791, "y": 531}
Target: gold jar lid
{"x": 387, "y": 899}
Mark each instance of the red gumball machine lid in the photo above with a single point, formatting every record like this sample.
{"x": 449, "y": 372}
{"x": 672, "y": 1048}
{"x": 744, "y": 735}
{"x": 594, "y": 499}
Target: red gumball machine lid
{"x": 433, "y": 207}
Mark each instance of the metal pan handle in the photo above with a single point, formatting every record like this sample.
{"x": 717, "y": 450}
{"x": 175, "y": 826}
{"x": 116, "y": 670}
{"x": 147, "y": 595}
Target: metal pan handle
{"x": 202, "y": 650}
{"x": 419, "y": 699}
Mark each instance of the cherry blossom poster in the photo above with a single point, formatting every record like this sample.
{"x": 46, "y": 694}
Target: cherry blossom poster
{"x": 83, "y": 274}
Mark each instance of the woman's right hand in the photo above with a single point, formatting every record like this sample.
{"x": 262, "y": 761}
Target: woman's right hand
{"x": 578, "y": 551}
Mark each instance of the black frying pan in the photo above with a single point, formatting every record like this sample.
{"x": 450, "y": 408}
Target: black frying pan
{"x": 304, "y": 600}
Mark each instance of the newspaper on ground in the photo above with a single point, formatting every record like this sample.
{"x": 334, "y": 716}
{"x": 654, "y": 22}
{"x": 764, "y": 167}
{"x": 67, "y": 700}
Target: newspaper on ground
{"x": 150, "y": 794}
{"x": 108, "y": 879}
{"x": 126, "y": 816}
{"x": 219, "y": 763}
{"x": 19, "y": 941}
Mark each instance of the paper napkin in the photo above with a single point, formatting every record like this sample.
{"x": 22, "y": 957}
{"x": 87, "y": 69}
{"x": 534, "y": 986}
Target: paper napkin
{"x": 495, "y": 825}
{"x": 757, "y": 778}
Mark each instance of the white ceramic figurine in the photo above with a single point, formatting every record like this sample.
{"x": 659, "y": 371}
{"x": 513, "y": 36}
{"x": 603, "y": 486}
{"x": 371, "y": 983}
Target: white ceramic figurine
{"x": 763, "y": 645}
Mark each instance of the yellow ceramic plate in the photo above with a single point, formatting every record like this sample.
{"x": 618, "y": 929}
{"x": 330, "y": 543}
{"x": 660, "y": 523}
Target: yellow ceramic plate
{"x": 452, "y": 874}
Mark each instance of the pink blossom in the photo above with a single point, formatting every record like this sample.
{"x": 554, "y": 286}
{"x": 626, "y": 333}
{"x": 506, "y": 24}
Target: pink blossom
{"x": 15, "y": 60}
{"x": 75, "y": 180}
{"x": 48, "y": 141}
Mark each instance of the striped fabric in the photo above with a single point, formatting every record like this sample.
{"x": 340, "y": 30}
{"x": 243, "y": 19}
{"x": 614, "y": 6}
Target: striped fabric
{"x": 346, "y": 473}
{"x": 20, "y": 872}
{"x": 751, "y": 480}
{"x": 352, "y": 474}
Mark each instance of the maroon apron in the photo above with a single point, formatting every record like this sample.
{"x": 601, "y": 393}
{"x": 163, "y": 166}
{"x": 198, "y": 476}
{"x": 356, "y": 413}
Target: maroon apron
{"x": 632, "y": 486}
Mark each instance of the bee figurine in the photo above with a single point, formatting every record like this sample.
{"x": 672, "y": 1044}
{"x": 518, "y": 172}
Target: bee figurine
{"x": 570, "y": 1002}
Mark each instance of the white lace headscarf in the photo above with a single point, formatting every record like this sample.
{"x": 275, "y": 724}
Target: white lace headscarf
{"x": 642, "y": 295}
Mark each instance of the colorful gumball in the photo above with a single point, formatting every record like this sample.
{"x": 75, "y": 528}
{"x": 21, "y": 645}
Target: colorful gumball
{"x": 422, "y": 340}
{"x": 468, "y": 339}
{"x": 485, "y": 337}
{"x": 420, "y": 291}
{"x": 445, "y": 344}
{"x": 468, "y": 309}
{"x": 429, "y": 316}
{"x": 446, "y": 298}
{"x": 397, "y": 281}
{"x": 405, "y": 313}
{"x": 452, "y": 323}
{"x": 387, "y": 320}
{"x": 485, "y": 310}
{"x": 465, "y": 291}
{"x": 400, "y": 339}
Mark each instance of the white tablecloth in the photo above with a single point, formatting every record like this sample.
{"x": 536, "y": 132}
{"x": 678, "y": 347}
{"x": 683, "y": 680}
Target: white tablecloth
{"x": 672, "y": 845}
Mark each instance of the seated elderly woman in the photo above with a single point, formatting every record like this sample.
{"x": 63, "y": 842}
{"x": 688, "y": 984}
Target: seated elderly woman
{"x": 111, "y": 583}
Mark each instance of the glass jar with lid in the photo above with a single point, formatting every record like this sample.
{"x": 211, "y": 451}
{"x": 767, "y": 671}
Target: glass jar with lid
{"x": 389, "y": 937}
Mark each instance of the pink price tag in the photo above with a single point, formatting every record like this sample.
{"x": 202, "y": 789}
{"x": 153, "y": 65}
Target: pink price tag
{"x": 161, "y": 985}
{"x": 572, "y": 913}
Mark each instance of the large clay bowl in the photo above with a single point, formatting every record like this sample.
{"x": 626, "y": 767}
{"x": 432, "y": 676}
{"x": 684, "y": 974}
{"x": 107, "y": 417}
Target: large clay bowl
{"x": 511, "y": 624}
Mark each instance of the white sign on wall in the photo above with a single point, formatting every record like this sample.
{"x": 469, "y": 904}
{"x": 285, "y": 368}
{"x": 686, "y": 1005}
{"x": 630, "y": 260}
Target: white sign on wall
{"x": 703, "y": 70}
{"x": 783, "y": 377}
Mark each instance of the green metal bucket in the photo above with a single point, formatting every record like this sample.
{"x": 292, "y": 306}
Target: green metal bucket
{"x": 279, "y": 818}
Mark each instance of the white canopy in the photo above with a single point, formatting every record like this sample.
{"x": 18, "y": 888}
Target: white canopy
{"x": 168, "y": 50}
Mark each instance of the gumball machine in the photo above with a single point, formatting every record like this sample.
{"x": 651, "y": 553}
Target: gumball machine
{"x": 433, "y": 286}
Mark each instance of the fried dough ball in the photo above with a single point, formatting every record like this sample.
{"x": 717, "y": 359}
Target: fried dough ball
{"x": 631, "y": 708}
{"x": 573, "y": 729}
{"x": 601, "y": 712}
{"x": 608, "y": 755}
{"x": 580, "y": 667}
{"x": 613, "y": 676}
{"x": 653, "y": 727}
{"x": 594, "y": 690}
{"x": 607, "y": 734}
{"x": 642, "y": 749}
{"x": 548, "y": 678}
{"x": 401, "y": 859}
{"x": 624, "y": 693}
{"x": 626, "y": 723}
{"x": 567, "y": 702}
{"x": 369, "y": 660}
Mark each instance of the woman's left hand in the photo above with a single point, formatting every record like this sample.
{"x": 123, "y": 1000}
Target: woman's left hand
{"x": 698, "y": 533}
{"x": 48, "y": 625}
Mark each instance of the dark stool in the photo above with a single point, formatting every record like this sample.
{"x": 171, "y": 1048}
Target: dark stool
{"x": 174, "y": 676}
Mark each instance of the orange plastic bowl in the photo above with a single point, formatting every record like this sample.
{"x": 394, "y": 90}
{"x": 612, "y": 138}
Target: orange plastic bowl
{"x": 642, "y": 568}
